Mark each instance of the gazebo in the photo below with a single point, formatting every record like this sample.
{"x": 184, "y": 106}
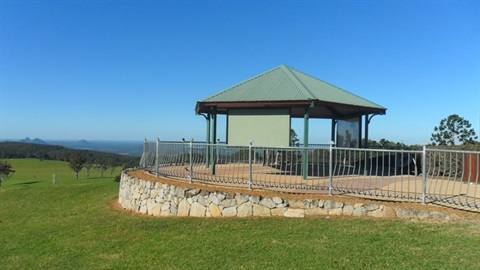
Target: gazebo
{"x": 264, "y": 105}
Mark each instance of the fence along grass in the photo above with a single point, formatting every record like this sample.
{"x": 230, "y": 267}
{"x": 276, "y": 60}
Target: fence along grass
{"x": 429, "y": 175}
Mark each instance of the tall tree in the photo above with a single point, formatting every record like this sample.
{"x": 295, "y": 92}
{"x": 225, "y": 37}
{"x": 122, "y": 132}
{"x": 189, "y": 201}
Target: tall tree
{"x": 88, "y": 165}
{"x": 101, "y": 165}
{"x": 111, "y": 164}
{"x": 453, "y": 129}
{"x": 76, "y": 161}
{"x": 6, "y": 171}
{"x": 294, "y": 141}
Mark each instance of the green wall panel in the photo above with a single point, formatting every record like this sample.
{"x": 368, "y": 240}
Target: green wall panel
{"x": 266, "y": 127}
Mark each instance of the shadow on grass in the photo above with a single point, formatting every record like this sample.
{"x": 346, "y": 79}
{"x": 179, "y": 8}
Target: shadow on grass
{"x": 27, "y": 183}
{"x": 98, "y": 178}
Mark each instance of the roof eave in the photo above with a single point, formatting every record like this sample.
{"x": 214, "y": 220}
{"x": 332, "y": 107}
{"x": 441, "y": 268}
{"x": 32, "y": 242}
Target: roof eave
{"x": 221, "y": 107}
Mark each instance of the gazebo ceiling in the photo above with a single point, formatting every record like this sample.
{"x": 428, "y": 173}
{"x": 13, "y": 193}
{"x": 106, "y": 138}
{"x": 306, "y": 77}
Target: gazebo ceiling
{"x": 285, "y": 87}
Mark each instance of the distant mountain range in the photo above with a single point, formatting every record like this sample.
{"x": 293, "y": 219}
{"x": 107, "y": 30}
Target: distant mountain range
{"x": 132, "y": 148}
{"x": 36, "y": 140}
{"x": 19, "y": 149}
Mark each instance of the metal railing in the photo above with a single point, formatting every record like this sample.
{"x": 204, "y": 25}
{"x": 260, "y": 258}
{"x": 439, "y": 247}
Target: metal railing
{"x": 429, "y": 175}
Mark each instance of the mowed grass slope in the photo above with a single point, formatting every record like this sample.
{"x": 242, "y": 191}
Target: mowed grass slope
{"x": 72, "y": 225}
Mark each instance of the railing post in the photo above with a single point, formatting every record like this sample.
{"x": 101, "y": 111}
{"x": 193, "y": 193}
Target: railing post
{"x": 424, "y": 174}
{"x": 144, "y": 165}
{"x": 157, "y": 154}
{"x": 183, "y": 152}
{"x": 213, "y": 156}
{"x": 330, "y": 169}
{"x": 218, "y": 150}
{"x": 250, "y": 165}
{"x": 191, "y": 161}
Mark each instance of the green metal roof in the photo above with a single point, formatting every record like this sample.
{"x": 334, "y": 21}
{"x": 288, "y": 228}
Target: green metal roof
{"x": 287, "y": 87}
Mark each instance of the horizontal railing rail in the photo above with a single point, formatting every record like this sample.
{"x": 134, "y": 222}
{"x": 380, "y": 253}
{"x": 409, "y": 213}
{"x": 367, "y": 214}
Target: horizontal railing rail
{"x": 428, "y": 175}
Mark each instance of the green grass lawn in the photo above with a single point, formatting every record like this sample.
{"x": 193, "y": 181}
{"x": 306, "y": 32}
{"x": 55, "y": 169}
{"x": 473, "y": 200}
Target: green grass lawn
{"x": 70, "y": 225}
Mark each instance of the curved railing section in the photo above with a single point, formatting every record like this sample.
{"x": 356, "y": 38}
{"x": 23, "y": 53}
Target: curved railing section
{"x": 428, "y": 175}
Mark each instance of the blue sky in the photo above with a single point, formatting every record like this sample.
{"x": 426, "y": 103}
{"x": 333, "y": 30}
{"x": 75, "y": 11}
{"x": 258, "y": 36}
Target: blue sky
{"x": 129, "y": 70}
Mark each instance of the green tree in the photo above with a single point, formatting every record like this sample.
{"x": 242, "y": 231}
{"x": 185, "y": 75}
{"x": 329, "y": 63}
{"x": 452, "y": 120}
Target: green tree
{"x": 453, "y": 129}
{"x": 111, "y": 164}
{"x": 88, "y": 165}
{"x": 101, "y": 165}
{"x": 76, "y": 161}
{"x": 101, "y": 168}
{"x": 6, "y": 171}
{"x": 294, "y": 141}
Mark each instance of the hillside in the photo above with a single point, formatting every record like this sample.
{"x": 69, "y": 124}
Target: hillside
{"x": 131, "y": 148}
{"x": 54, "y": 152}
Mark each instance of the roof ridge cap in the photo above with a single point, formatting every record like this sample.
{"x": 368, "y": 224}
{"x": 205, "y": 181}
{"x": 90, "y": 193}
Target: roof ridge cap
{"x": 297, "y": 82}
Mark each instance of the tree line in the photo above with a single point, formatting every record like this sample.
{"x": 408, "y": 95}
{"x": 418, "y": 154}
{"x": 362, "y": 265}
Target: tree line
{"x": 453, "y": 131}
{"x": 86, "y": 158}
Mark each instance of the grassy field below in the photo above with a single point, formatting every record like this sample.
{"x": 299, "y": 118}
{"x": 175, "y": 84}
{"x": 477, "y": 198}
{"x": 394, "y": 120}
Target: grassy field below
{"x": 74, "y": 224}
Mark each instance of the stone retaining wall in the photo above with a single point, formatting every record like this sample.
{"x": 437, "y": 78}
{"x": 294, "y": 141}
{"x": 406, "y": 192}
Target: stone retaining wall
{"x": 160, "y": 199}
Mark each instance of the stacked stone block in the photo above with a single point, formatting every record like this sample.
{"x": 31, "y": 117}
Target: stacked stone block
{"x": 161, "y": 199}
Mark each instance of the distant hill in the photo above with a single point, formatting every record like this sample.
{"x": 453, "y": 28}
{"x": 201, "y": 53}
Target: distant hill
{"x": 56, "y": 152}
{"x": 36, "y": 141}
{"x": 132, "y": 148}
